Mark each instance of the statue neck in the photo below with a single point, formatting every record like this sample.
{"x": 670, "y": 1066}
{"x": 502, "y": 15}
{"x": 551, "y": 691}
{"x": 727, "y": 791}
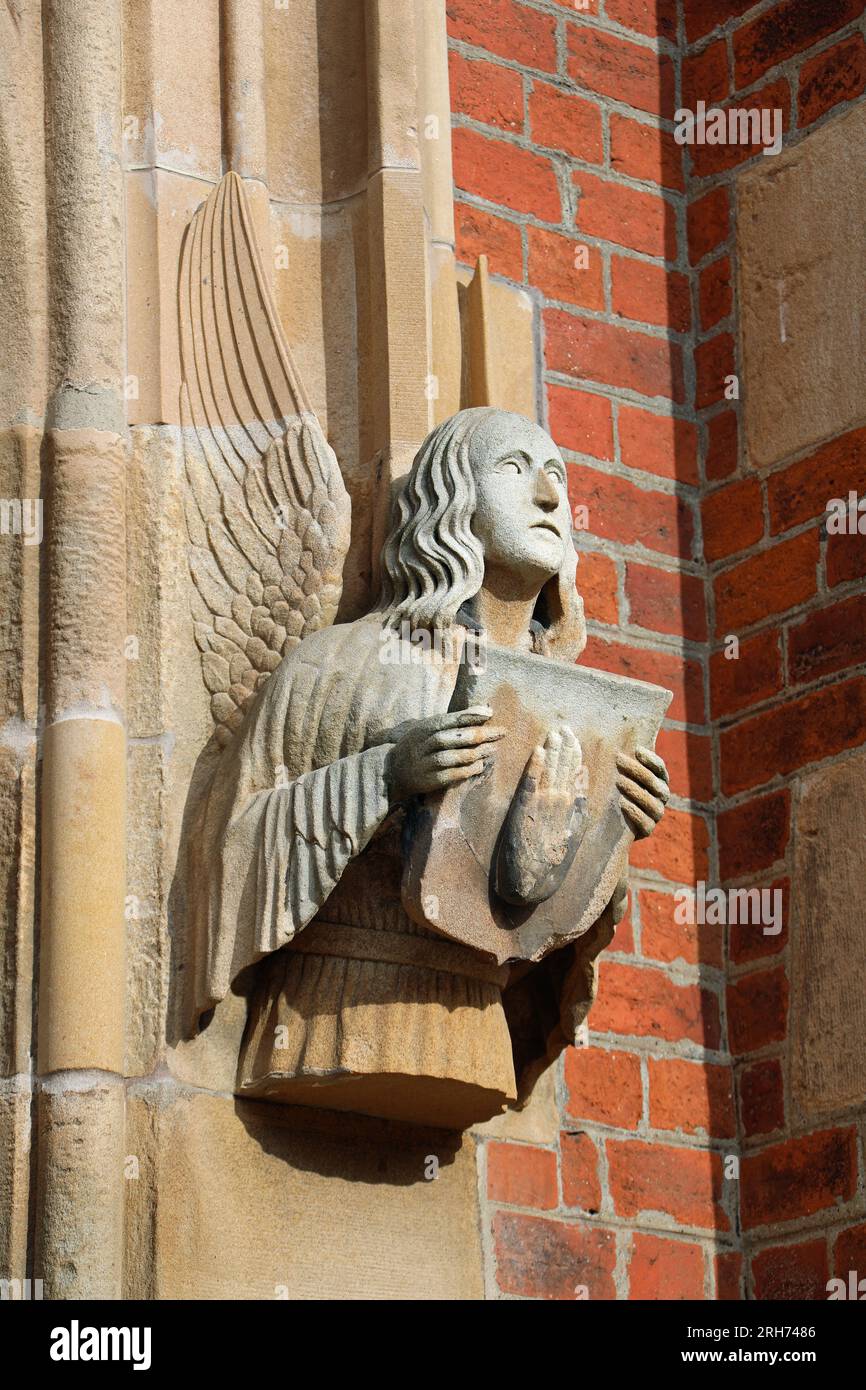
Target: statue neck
{"x": 504, "y": 610}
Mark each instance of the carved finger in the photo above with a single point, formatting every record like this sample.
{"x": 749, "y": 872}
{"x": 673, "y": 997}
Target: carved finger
{"x": 574, "y": 763}
{"x": 459, "y": 757}
{"x": 475, "y": 714}
{"x": 619, "y": 900}
{"x": 643, "y": 776}
{"x": 653, "y": 762}
{"x": 463, "y": 737}
{"x": 640, "y": 824}
{"x": 653, "y": 806}
{"x": 537, "y": 764}
{"x": 451, "y": 776}
{"x": 553, "y": 752}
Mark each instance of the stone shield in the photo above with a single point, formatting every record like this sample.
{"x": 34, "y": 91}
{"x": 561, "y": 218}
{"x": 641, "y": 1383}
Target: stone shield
{"x": 451, "y": 839}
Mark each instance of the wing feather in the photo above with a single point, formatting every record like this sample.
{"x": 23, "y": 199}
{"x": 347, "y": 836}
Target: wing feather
{"x": 267, "y": 510}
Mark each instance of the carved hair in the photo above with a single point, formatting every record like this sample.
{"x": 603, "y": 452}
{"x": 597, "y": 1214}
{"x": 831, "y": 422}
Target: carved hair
{"x": 432, "y": 561}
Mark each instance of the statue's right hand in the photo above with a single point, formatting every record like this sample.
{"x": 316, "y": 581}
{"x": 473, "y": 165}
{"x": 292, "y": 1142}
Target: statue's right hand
{"x": 431, "y": 754}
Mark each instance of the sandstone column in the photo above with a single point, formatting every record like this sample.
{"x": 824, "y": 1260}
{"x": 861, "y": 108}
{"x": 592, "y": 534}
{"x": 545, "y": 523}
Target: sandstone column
{"x": 244, "y": 108}
{"x": 81, "y": 987}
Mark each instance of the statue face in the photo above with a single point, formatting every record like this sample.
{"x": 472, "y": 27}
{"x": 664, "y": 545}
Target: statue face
{"x": 523, "y": 518}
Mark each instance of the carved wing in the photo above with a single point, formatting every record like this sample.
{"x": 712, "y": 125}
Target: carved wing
{"x": 267, "y": 511}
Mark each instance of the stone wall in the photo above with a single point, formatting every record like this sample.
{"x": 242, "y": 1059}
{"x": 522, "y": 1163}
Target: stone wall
{"x": 659, "y": 271}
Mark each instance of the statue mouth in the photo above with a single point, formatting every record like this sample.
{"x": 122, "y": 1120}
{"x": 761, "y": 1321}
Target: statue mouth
{"x": 546, "y": 526}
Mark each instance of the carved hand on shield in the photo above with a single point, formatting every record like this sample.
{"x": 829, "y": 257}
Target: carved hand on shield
{"x": 543, "y": 828}
{"x": 644, "y": 790}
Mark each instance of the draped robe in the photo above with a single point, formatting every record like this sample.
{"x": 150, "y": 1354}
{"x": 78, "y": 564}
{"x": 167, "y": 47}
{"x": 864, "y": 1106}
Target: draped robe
{"x": 294, "y": 855}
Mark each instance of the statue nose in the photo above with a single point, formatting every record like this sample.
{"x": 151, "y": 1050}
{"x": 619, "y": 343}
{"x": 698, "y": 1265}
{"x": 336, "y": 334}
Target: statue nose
{"x": 546, "y": 495}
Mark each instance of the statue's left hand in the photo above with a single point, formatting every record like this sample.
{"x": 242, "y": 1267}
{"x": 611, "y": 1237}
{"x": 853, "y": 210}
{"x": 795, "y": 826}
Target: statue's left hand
{"x": 644, "y": 789}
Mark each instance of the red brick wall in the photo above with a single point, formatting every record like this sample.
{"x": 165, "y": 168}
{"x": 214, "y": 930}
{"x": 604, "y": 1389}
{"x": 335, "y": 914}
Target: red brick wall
{"x": 563, "y": 139}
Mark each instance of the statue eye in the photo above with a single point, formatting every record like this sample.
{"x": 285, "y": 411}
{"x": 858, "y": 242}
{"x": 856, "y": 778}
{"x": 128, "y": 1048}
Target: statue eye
{"x": 510, "y": 466}
{"x": 553, "y": 471}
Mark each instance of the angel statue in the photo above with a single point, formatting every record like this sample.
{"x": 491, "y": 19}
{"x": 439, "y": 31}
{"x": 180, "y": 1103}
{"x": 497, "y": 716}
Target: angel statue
{"x": 350, "y": 748}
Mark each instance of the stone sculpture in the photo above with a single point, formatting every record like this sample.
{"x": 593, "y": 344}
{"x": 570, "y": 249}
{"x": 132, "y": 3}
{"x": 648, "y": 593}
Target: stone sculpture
{"x": 415, "y": 841}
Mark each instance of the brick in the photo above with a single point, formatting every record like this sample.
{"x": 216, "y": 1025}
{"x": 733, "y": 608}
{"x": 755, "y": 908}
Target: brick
{"x": 708, "y": 223}
{"x": 506, "y": 174}
{"x": 655, "y": 18}
{"x": 689, "y": 762}
{"x": 581, "y": 421}
{"x": 850, "y": 1252}
{"x": 747, "y": 942}
{"x": 522, "y": 1176}
{"x": 691, "y": 1097}
{"x": 703, "y": 16}
{"x": 597, "y": 584}
{"x": 650, "y": 294}
{"x": 666, "y": 602}
{"x": 754, "y": 675}
{"x": 714, "y": 364}
{"x": 486, "y": 92}
{"x": 715, "y": 292}
{"x": 615, "y": 67}
{"x": 556, "y": 269}
{"x": 757, "y": 1010}
{"x": 789, "y": 1181}
{"x": 562, "y": 121}
{"x": 677, "y": 848}
{"x": 641, "y": 1002}
{"x": 791, "y": 736}
{"x": 830, "y": 640}
{"x": 767, "y": 583}
{"x": 752, "y": 837}
{"x": 581, "y": 1186}
{"x": 621, "y": 511}
{"x": 480, "y": 233}
{"x": 659, "y": 444}
{"x": 686, "y": 1184}
{"x": 506, "y": 28}
{"x": 792, "y": 1271}
{"x": 663, "y": 938}
{"x": 786, "y": 29}
{"x": 627, "y": 216}
{"x": 667, "y": 1270}
{"x": 846, "y": 559}
{"x": 706, "y": 76}
{"x": 682, "y": 676}
{"x": 723, "y": 444}
{"x": 837, "y": 75}
{"x": 762, "y": 1098}
{"x": 732, "y": 519}
{"x": 729, "y": 1276}
{"x": 603, "y": 1085}
{"x": 715, "y": 159}
{"x": 612, "y": 356}
{"x": 645, "y": 152}
{"x": 801, "y": 492}
{"x": 540, "y": 1258}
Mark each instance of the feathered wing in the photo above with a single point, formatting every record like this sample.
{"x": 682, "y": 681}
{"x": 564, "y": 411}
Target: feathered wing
{"x": 267, "y": 510}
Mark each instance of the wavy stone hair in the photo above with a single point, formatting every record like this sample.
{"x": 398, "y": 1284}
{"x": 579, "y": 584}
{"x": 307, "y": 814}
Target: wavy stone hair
{"x": 432, "y": 561}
